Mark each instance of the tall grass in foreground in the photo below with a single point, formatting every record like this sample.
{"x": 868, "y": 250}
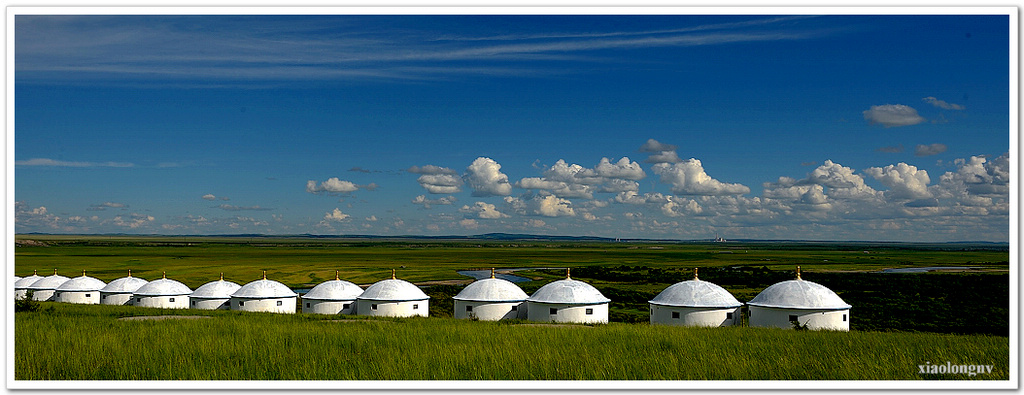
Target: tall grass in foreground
{"x": 74, "y": 342}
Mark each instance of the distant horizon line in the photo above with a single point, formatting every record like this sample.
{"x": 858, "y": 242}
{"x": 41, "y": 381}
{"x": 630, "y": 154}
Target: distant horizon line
{"x": 512, "y": 237}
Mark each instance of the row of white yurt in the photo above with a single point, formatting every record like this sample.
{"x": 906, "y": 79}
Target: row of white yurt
{"x": 163, "y": 293}
{"x": 44, "y": 288}
{"x": 562, "y": 301}
{"x": 700, "y": 303}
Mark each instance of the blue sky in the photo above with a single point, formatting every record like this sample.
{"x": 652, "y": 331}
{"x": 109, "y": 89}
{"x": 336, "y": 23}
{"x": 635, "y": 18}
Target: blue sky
{"x": 822, "y": 127}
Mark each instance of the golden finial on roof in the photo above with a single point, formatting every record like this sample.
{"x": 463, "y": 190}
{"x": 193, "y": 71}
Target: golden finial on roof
{"x": 221, "y": 276}
{"x": 492, "y": 272}
{"x": 336, "y": 276}
{"x": 392, "y": 274}
{"x": 264, "y": 274}
{"x": 165, "y": 274}
{"x": 567, "y": 274}
{"x": 129, "y": 272}
{"x": 54, "y": 272}
{"x": 35, "y": 272}
{"x": 83, "y": 273}
{"x": 798, "y": 273}
{"x": 695, "y": 273}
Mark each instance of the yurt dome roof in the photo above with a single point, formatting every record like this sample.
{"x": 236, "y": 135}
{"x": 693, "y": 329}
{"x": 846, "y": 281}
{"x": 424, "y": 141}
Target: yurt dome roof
{"x": 49, "y": 282}
{"x": 83, "y": 283}
{"x": 336, "y": 289}
{"x": 696, "y": 293}
{"x": 568, "y": 291}
{"x": 124, "y": 285}
{"x": 492, "y": 290}
{"x": 26, "y": 281}
{"x": 163, "y": 287}
{"x": 393, "y": 290}
{"x": 264, "y": 289}
{"x": 219, "y": 289}
{"x": 799, "y": 294}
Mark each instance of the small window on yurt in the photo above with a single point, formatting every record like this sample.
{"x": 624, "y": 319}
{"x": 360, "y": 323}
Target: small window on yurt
{"x": 675, "y": 314}
{"x": 515, "y": 308}
{"x": 415, "y": 307}
{"x": 590, "y": 311}
{"x": 307, "y": 304}
{"x": 373, "y": 307}
{"x": 171, "y": 300}
{"x": 553, "y": 311}
{"x": 469, "y": 308}
{"x": 792, "y": 318}
{"x": 279, "y": 303}
{"x": 241, "y": 303}
{"x": 346, "y": 305}
{"x": 728, "y": 316}
{"x": 844, "y": 317}
{"x": 87, "y": 295}
{"x": 193, "y": 303}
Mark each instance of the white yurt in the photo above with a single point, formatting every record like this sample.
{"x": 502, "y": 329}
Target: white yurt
{"x": 491, "y": 299}
{"x": 80, "y": 290}
{"x": 21, "y": 285}
{"x": 119, "y": 292}
{"x": 43, "y": 289}
{"x": 264, "y": 295}
{"x": 805, "y": 303}
{"x": 568, "y": 300}
{"x": 214, "y": 295}
{"x": 393, "y": 298}
{"x": 332, "y": 297}
{"x": 695, "y": 303}
{"x": 163, "y": 293}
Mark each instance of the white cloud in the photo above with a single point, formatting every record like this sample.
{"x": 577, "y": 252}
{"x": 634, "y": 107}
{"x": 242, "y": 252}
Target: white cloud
{"x": 677, "y": 207}
{"x": 105, "y": 205}
{"x": 332, "y": 185}
{"x": 942, "y": 104}
{"x": 904, "y": 181}
{"x": 61, "y": 163}
{"x": 574, "y": 181}
{"x": 426, "y": 203}
{"x": 551, "y": 206}
{"x": 483, "y": 210}
{"x": 440, "y": 183}
{"x": 431, "y": 169}
{"x": 664, "y": 157}
{"x": 931, "y": 149}
{"x": 469, "y": 223}
{"x": 688, "y": 178}
{"x": 892, "y": 115}
{"x": 841, "y": 181}
{"x": 653, "y": 145}
{"x": 336, "y": 216}
{"x": 228, "y": 207}
{"x": 209, "y": 196}
{"x": 623, "y": 169}
{"x": 485, "y": 177}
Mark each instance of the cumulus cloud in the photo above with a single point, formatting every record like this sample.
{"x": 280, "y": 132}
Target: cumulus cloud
{"x": 209, "y": 196}
{"x": 332, "y": 185}
{"x": 485, "y": 177}
{"x": 575, "y": 181}
{"x": 653, "y": 145}
{"x": 440, "y": 183}
{"x": 931, "y": 149}
{"x": 469, "y": 223}
{"x": 892, "y": 115}
{"x": 336, "y": 216}
{"x": 904, "y": 181}
{"x": 677, "y": 207}
{"x": 427, "y": 203}
{"x": 664, "y": 157}
{"x": 431, "y": 169}
{"x": 942, "y": 104}
{"x": 482, "y": 210}
{"x": 688, "y": 178}
{"x": 547, "y": 206}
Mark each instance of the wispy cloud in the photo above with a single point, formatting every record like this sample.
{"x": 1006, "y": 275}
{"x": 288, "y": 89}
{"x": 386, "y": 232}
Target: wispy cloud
{"x": 62, "y": 163}
{"x": 229, "y": 48}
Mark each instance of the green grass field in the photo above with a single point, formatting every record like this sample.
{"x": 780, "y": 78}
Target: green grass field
{"x": 75, "y": 342}
{"x": 71, "y": 342}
